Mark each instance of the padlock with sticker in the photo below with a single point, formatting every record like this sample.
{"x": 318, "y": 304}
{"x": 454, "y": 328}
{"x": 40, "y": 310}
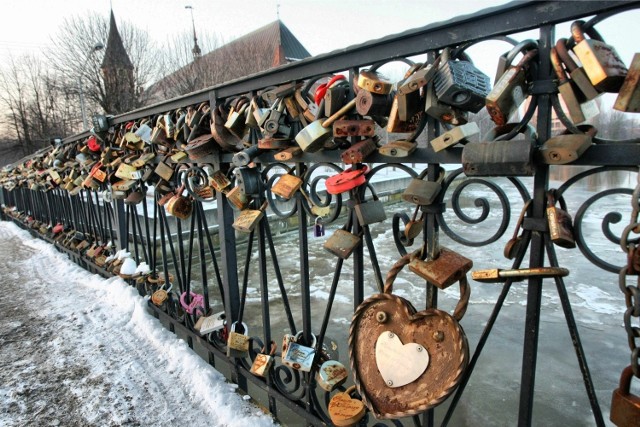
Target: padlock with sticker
{"x": 560, "y": 223}
{"x": 264, "y": 361}
{"x": 296, "y": 355}
{"x": 249, "y": 219}
{"x": 331, "y": 375}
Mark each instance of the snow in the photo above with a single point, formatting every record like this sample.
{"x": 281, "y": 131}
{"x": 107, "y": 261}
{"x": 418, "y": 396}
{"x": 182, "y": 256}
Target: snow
{"x": 134, "y": 372}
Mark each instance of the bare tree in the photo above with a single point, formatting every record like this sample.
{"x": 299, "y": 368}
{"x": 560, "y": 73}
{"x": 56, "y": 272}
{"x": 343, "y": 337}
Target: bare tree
{"x": 74, "y": 56}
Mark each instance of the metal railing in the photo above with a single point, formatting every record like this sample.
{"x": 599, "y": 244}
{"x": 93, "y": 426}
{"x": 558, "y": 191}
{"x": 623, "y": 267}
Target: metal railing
{"x": 225, "y": 267}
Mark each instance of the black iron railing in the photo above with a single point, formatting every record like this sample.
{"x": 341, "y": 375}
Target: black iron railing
{"x": 269, "y": 280}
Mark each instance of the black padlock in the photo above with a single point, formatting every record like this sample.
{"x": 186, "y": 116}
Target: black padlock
{"x": 461, "y": 84}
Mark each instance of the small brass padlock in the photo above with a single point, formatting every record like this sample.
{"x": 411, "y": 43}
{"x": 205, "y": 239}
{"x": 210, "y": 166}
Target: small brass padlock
{"x": 341, "y": 243}
{"x": 238, "y": 342}
{"x": 359, "y": 151}
{"x": 398, "y": 148}
{"x": 179, "y": 205}
{"x": 263, "y": 361}
{"x": 625, "y": 407}
{"x": 248, "y": 219}
{"x": 454, "y": 136}
{"x": 449, "y": 267}
{"x": 296, "y": 355}
{"x": 563, "y": 149}
{"x": 560, "y": 223}
{"x": 286, "y": 186}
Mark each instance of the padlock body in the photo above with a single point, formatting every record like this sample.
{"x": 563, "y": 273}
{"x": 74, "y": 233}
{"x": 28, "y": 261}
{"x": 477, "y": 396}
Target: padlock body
{"x": 331, "y": 375}
{"x": 237, "y": 345}
{"x": 261, "y": 365}
{"x": 248, "y": 219}
{"x": 629, "y": 97}
{"x": 341, "y": 243}
{"x": 297, "y": 356}
{"x": 358, "y": 151}
{"x": 498, "y": 158}
{"x": 443, "y": 271}
{"x": 603, "y": 65}
{"x": 180, "y": 207}
{"x": 560, "y": 227}
{"x": 460, "y": 84}
{"x": 164, "y": 171}
{"x": 453, "y": 136}
{"x": 421, "y": 192}
{"x": 286, "y": 186}
{"x": 237, "y": 198}
{"x": 625, "y": 407}
{"x": 578, "y": 111}
{"x": 506, "y": 96}
{"x": 313, "y": 136}
{"x": 370, "y": 212}
{"x": 398, "y": 148}
{"x": 563, "y": 149}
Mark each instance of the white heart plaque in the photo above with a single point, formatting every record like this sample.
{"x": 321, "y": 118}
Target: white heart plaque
{"x": 399, "y": 364}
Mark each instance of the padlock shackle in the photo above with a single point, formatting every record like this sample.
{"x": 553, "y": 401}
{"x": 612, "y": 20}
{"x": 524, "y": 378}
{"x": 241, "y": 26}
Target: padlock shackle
{"x": 314, "y": 339}
{"x": 523, "y": 213}
{"x": 522, "y": 47}
{"x": 557, "y": 66}
{"x": 553, "y": 197}
{"x": 243, "y": 325}
{"x": 465, "y": 290}
{"x": 578, "y": 31}
{"x": 529, "y": 131}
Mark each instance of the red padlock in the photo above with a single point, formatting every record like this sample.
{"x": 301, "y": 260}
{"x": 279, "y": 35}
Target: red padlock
{"x": 346, "y": 180}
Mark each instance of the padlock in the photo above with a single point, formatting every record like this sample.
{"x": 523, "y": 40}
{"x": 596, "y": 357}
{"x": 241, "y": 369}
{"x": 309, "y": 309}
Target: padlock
{"x": 461, "y": 84}
{"x": 346, "y": 128}
{"x": 600, "y": 61}
{"x": 373, "y": 105}
{"x": 238, "y": 342}
{"x": 580, "y": 110}
{"x": 286, "y": 186}
{"x": 398, "y": 148}
{"x": 270, "y": 143}
{"x": 342, "y": 243}
{"x": 248, "y": 219}
{"x": 576, "y": 73}
{"x": 249, "y": 180}
{"x": 370, "y": 211}
{"x": 179, "y": 205}
{"x": 125, "y": 171}
{"x": 395, "y": 125}
{"x": 628, "y": 99}
{"x": 236, "y": 121}
{"x": 500, "y": 158}
{"x": 287, "y": 154}
{"x": 511, "y": 90}
{"x": 200, "y": 147}
{"x": 292, "y": 108}
{"x": 211, "y": 323}
{"x": 164, "y": 171}
{"x": 514, "y": 245}
{"x": 178, "y": 157}
{"x": 222, "y": 136}
{"x": 625, "y": 407}
{"x": 335, "y": 97}
{"x": 563, "y": 149}
{"x": 331, "y": 375}
{"x": 237, "y": 198}
{"x": 296, "y": 355}
{"x": 443, "y": 112}
{"x": 346, "y": 180}
{"x": 344, "y": 410}
{"x": 144, "y": 133}
{"x": 372, "y": 81}
{"x": 219, "y": 181}
{"x": 419, "y": 78}
{"x": 246, "y": 156}
{"x": 318, "y": 227}
{"x": 358, "y": 152}
{"x": 414, "y": 226}
{"x": 448, "y": 268}
{"x": 263, "y": 361}
{"x": 270, "y": 121}
{"x": 313, "y": 136}
{"x": 454, "y": 136}
{"x": 423, "y": 192}
{"x": 560, "y": 223}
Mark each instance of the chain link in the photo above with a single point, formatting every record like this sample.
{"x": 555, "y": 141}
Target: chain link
{"x": 632, "y": 291}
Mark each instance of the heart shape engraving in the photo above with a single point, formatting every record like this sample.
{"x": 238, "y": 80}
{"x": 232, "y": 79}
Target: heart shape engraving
{"x": 436, "y": 331}
{"x": 390, "y": 350}
{"x": 345, "y": 411}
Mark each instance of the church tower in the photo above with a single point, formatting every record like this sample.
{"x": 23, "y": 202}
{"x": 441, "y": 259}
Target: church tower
{"x": 117, "y": 71}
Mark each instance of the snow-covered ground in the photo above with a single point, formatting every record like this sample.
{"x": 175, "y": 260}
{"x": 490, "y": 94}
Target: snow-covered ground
{"x": 79, "y": 350}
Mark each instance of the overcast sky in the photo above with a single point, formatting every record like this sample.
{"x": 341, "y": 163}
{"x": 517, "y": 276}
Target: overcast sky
{"x": 321, "y": 26}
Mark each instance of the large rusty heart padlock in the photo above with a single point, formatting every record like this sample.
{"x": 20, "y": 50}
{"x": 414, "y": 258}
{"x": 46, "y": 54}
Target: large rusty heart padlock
{"x": 405, "y": 362}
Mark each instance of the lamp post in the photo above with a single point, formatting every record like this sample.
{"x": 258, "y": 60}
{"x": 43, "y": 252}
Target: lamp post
{"x": 96, "y": 47}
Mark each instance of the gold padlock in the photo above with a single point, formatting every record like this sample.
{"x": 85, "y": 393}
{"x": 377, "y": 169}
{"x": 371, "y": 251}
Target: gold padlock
{"x": 237, "y": 198}
{"x": 286, "y": 186}
{"x": 248, "y": 219}
{"x": 238, "y": 343}
{"x": 263, "y": 361}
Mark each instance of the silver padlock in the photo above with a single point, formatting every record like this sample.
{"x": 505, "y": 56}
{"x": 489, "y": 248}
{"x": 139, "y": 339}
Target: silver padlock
{"x": 298, "y": 356}
{"x": 370, "y": 211}
{"x": 208, "y": 324}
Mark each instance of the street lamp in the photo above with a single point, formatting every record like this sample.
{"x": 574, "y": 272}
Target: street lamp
{"x": 98, "y": 46}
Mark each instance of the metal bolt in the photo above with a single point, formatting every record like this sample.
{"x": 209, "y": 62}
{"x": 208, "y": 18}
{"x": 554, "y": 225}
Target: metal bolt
{"x": 391, "y": 335}
{"x": 419, "y": 348}
{"x": 381, "y": 317}
{"x": 389, "y": 383}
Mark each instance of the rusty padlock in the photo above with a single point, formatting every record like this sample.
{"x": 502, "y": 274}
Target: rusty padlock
{"x": 423, "y": 192}
{"x": 445, "y": 270}
{"x": 313, "y": 136}
{"x": 358, "y": 152}
{"x": 179, "y": 205}
{"x": 346, "y": 128}
{"x": 264, "y": 361}
{"x": 559, "y": 220}
{"x": 514, "y": 245}
{"x": 399, "y": 148}
{"x": 500, "y": 158}
{"x": 625, "y": 407}
{"x": 628, "y": 99}
{"x": 342, "y": 243}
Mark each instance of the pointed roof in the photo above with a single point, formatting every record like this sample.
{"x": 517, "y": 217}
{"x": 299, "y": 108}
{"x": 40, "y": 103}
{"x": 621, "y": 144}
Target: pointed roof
{"x": 115, "y": 55}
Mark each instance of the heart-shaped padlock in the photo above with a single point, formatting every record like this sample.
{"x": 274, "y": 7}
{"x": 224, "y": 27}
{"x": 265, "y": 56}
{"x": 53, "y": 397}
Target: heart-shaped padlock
{"x": 418, "y": 357}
